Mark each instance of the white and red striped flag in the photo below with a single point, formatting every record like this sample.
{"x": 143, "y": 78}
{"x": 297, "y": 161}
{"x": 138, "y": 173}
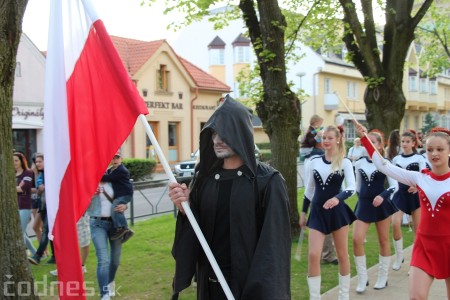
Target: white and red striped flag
{"x": 91, "y": 106}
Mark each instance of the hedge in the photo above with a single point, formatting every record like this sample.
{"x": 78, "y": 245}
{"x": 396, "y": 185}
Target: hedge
{"x": 139, "y": 168}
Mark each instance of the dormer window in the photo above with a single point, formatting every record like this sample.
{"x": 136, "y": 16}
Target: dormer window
{"x": 241, "y": 49}
{"x": 162, "y": 79}
{"x": 216, "y": 52}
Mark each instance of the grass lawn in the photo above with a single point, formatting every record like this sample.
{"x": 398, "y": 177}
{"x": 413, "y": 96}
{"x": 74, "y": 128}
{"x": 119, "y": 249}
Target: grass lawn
{"x": 147, "y": 265}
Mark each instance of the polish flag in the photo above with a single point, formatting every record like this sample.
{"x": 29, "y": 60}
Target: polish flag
{"x": 91, "y": 106}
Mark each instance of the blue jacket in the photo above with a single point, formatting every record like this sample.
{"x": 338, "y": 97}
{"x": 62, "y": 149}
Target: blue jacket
{"x": 120, "y": 180}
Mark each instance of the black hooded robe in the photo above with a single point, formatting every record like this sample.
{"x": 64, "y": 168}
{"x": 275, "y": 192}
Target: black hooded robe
{"x": 259, "y": 216}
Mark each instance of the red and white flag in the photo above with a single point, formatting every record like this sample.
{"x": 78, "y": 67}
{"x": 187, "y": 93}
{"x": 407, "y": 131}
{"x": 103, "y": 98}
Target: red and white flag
{"x": 91, "y": 106}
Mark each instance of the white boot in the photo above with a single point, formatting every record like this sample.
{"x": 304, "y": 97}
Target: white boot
{"x": 383, "y": 269}
{"x": 344, "y": 287}
{"x": 314, "y": 287}
{"x": 112, "y": 288}
{"x": 398, "y": 260}
{"x": 361, "y": 269}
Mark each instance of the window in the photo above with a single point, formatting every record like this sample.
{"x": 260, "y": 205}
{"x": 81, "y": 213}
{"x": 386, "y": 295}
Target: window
{"x": 18, "y": 70}
{"x": 447, "y": 94}
{"x": 405, "y": 122}
{"x": 350, "y": 131}
{"x": 433, "y": 86}
{"x": 327, "y": 86}
{"x": 242, "y": 54}
{"x": 351, "y": 90}
{"x": 217, "y": 57}
{"x": 162, "y": 79}
{"x": 423, "y": 85}
{"x": 173, "y": 141}
{"x": 236, "y": 92}
{"x": 412, "y": 83}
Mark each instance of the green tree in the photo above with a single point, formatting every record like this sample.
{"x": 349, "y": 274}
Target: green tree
{"x": 15, "y": 270}
{"x": 277, "y": 106}
{"x": 428, "y": 123}
{"x": 433, "y": 36}
{"x": 379, "y": 53}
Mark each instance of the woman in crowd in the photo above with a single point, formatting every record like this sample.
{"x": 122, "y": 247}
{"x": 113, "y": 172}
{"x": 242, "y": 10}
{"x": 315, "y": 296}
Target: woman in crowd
{"x": 329, "y": 213}
{"x": 393, "y": 149}
{"x": 43, "y": 242}
{"x": 37, "y": 221}
{"x": 24, "y": 183}
{"x": 431, "y": 253}
{"x": 374, "y": 206}
{"x": 356, "y": 151}
{"x": 406, "y": 198}
{"x": 101, "y": 230}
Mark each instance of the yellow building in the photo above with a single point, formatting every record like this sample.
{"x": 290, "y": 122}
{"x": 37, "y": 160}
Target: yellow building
{"x": 180, "y": 98}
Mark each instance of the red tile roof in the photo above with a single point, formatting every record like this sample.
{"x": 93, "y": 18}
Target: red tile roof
{"x": 135, "y": 54}
{"x": 202, "y": 79}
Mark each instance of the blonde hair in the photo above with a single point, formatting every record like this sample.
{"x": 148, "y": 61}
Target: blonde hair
{"x": 315, "y": 119}
{"x": 337, "y": 160}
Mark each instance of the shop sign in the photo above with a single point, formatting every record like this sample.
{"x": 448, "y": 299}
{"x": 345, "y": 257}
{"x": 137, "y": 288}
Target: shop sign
{"x": 205, "y": 107}
{"x": 163, "y": 105}
{"x": 28, "y": 112}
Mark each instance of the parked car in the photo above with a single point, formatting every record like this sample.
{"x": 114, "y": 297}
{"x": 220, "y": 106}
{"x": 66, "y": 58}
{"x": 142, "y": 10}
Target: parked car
{"x": 186, "y": 168}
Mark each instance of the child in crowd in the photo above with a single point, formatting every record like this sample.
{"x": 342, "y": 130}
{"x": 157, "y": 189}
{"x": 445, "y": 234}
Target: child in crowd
{"x": 119, "y": 177}
{"x": 311, "y": 142}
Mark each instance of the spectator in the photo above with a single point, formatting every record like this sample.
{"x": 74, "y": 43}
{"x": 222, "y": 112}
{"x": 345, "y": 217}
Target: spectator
{"x": 311, "y": 142}
{"x": 356, "y": 151}
{"x": 119, "y": 177}
{"x": 43, "y": 242}
{"x": 101, "y": 230}
{"x": 242, "y": 207}
{"x": 84, "y": 239}
{"x": 24, "y": 183}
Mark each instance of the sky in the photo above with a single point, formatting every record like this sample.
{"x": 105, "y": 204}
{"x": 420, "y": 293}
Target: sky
{"x": 125, "y": 18}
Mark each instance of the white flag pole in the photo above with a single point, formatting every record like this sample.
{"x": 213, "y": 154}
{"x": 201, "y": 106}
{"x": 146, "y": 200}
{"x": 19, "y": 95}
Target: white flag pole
{"x": 188, "y": 211}
{"x": 356, "y": 121}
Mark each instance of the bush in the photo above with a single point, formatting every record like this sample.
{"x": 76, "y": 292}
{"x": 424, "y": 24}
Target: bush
{"x": 263, "y": 146}
{"x": 139, "y": 168}
{"x": 266, "y": 155}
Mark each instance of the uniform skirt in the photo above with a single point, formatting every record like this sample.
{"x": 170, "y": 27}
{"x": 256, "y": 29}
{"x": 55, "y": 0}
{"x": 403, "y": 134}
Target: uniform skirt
{"x": 404, "y": 201}
{"x": 329, "y": 220}
{"x": 431, "y": 253}
{"x": 366, "y": 212}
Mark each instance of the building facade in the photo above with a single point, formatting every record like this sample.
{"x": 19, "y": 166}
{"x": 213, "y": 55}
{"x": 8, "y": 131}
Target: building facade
{"x": 325, "y": 79}
{"x": 179, "y": 95}
{"x": 28, "y": 98}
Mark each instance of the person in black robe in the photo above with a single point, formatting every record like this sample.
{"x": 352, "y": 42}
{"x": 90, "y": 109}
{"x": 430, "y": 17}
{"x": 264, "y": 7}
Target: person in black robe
{"x": 242, "y": 208}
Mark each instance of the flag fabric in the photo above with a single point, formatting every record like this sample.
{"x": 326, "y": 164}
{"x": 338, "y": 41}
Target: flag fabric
{"x": 91, "y": 106}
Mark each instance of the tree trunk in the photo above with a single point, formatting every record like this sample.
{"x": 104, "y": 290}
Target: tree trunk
{"x": 16, "y": 279}
{"x": 279, "y": 109}
{"x": 388, "y": 101}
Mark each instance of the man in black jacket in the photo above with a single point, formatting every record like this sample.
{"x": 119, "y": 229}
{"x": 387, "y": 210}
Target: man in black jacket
{"x": 241, "y": 206}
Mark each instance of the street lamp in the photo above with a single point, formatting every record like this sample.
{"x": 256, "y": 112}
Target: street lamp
{"x": 300, "y": 74}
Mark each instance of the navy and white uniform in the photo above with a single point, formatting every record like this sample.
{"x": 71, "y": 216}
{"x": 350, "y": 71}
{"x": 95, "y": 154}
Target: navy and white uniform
{"x": 427, "y": 162}
{"x": 369, "y": 184}
{"x": 324, "y": 184}
{"x": 403, "y": 200}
